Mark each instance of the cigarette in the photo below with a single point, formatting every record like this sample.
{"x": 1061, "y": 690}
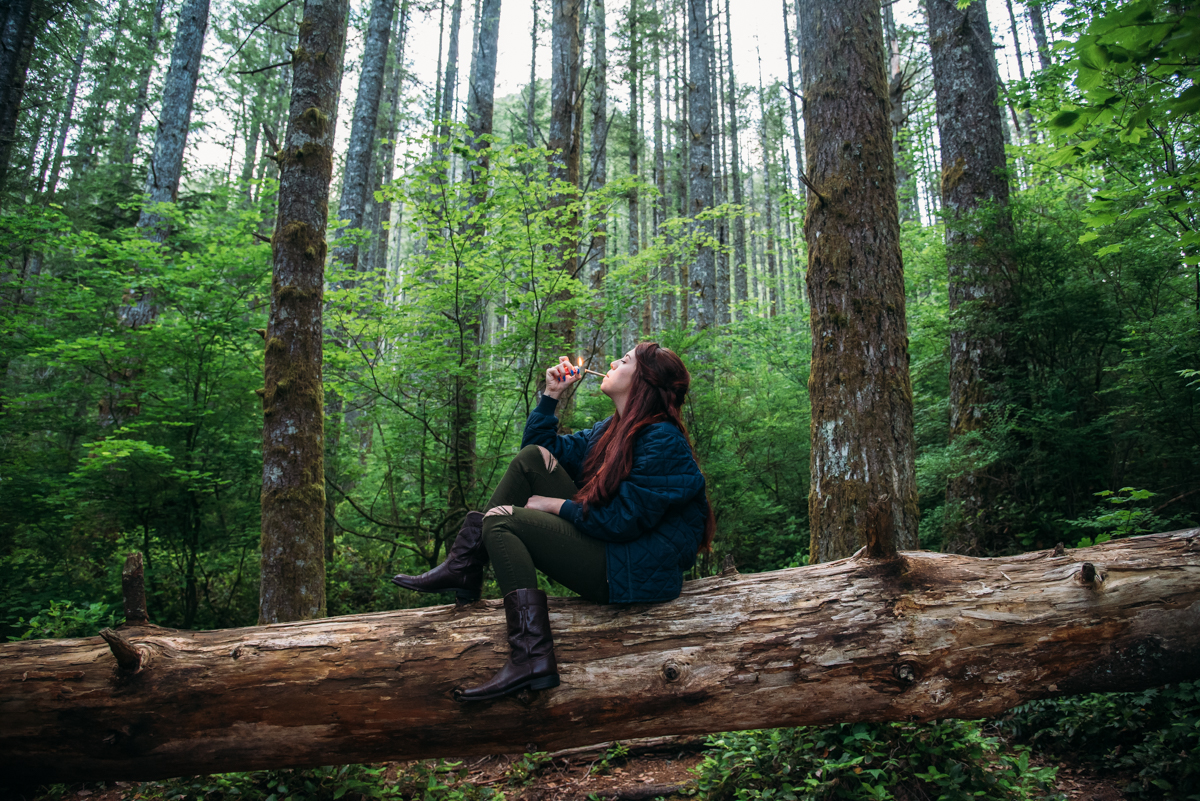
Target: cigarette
{"x": 593, "y": 372}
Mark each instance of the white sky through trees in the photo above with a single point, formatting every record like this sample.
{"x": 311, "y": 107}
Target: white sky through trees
{"x": 757, "y": 28}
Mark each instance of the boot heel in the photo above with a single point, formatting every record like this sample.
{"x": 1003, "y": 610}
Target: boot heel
{"x": 544, "y": 683}
{"x": 466, "y": 596}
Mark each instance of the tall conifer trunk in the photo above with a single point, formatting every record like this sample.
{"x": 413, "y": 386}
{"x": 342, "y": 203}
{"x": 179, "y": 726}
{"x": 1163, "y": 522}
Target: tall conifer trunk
{"x": 702, "y": 278}
{"x": 179, "y": 90}
{"x": 361, "y": 147}
{"x": 134, "y": 126}
{"x": 65, "y": 126}
{"x": 293, "y": 492}
{"x": 563, "y": 142}
{"x": 978, "y": 224}
{"x": 1038, "y": 23}
{"x": 660, "y": 176}
{"x": 480, "y": 105}
{"x": 593, "y": 344}
{"x": 20, "y": 25}
{"x": 862, "y": 413}
{"x": 739, "y": 220}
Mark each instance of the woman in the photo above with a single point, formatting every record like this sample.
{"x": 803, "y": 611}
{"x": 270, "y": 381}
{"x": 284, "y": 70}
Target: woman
{"x": 616, "y": 513}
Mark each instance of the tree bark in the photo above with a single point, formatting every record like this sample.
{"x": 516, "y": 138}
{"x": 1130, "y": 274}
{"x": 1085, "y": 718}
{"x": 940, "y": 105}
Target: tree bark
{"x": 563, "y": 144}
{"x": 1038, "y": 23}
{"x": 774, "y": 285}
{"x": 450, "y": 81}
{"x": 21, "y": 26}
{"x": 361, "y": 148}
{"x": 975, "y": 200}
{"x": 635, "y": 133}
{"x": 293, "y": 492}
{"x": 862, "y": 413}
{"x": 73, "y": 89}
{"x": 179, "y": 90}
{"x": 597, "y": 247}
{"x": 899, "y": 83}
{"x": 702, "y": 276}
{"x": 739, "y": 219}
{"x": 134, "y": 129}
{"x": 919, "y": 636}
{"x": 531, "y": 106}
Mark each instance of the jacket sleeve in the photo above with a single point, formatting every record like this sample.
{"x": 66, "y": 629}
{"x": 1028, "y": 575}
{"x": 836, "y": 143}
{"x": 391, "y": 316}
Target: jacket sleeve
{"x": 570, "y": 450}
{"x": 664, "y": 474}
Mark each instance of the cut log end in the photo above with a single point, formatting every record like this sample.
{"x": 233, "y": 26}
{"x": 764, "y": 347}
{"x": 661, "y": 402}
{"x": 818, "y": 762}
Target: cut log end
{"x": 1088, "y": 575}
{"x": 129, "y": 657}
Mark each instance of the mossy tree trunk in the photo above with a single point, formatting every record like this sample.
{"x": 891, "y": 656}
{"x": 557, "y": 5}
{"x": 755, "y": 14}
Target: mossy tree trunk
{"x": 919, "y": 636}
{"x": 862, "y": 413}
{"x": 293, "y": 492}
{"x": 978, "y": 225}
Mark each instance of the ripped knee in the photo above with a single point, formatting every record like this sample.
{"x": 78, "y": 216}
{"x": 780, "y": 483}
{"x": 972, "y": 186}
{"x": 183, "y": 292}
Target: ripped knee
{"x": 549, "y": 459}
{"x": 497, "y": 511}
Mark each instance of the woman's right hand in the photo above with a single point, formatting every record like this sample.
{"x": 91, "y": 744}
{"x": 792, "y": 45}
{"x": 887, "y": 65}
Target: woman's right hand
{"x": 561, "y": 376}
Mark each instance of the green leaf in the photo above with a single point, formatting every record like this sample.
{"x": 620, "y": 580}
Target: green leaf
{"x": 1064, "y": 119}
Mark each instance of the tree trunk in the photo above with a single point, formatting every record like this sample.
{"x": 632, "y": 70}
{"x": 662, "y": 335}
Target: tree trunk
{"x": 531, "y": 106}
{"x": 975, "y": 200}
{"x": 134, "y": 129}
{"x": 385, "y": 156}
{"x": 920, "y": 636}
{"x": 774, "y": 285}
{"x": 65, "y": 126}
{"x": 1038, "y": 24}
{"x": 720, "y": 173}
{"x": 563, "y": 143}
{"x": 702, "y": 277}
{"x": 739, "y": 219}
{"x": 663, "y": 273}
{"x": 791, "y": 86}
{"x": 21, "y": 25}
{"x": 179, "y": 90}
{"x": 360, "y": 150}
{"x": 450, "y": 81}
{"x": 465, "y": 381}
{"x": 635, "y": 134}
{"x": 597, "y": 247}
{"x": 862, "y": 414}
{"x": 293, "y": 492}
{"x": 899, "y": 82}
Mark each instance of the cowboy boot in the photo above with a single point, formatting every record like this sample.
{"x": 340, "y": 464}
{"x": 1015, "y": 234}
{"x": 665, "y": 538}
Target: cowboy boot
{"x": 463, "y": 569}
{"x": 531, "y": 663}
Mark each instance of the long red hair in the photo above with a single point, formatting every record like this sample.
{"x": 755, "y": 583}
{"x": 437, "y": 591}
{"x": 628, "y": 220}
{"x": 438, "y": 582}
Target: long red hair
{"x": 660, "y": 383}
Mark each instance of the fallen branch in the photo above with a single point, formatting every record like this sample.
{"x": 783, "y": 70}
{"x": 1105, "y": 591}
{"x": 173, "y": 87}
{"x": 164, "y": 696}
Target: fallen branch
{"x": 920, "y": 636}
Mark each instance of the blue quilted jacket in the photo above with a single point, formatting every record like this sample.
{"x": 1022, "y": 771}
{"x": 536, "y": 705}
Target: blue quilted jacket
{"x": 653, "y": 527}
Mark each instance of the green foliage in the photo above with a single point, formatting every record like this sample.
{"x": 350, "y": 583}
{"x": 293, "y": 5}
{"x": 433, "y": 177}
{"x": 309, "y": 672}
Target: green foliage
{"x": 428, "y": 781}
{"x": 614, "y": 757}
{"x": 1154, "y": 734}
{"x": 946, "y": 760}
{"x": 65, "y": 619}
{"x": 525, "y": 770}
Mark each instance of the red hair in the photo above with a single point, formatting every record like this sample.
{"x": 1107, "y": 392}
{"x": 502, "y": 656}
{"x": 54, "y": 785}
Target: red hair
{"x": 660, "y": 383}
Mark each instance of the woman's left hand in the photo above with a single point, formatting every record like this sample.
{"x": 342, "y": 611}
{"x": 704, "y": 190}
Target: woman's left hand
{"x": 541, "y": 503}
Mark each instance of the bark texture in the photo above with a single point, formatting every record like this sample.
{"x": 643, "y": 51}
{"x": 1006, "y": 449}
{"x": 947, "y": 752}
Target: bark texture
{"x": 975, "y": 202}
{"x": 1038, "y": 23}
{"x": 702, "y": 273}
{"x": 739, "y": 219}
{"x": 21, "y": 26}
{"x": 72, "y": 91}
{"x": 179, "y": 90}
{"x": 361, "y": 148}
{"x": 293, "y": 492}
{"x": 862, "y": 418}
{"x": 922, "y": 636}
{"x": 566, "y": 127}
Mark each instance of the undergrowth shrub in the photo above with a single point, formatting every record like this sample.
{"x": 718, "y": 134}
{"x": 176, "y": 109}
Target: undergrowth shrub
{"x": 947, "y": 760}
{"x": 1154, "y": 734}
{"x": 427, "y": 781}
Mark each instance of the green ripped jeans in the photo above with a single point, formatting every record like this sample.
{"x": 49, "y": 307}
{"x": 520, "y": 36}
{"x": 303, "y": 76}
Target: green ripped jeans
{"x": 522, "y": 541}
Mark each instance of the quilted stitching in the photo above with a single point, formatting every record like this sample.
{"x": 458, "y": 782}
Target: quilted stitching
{"x": 655, "y": 524}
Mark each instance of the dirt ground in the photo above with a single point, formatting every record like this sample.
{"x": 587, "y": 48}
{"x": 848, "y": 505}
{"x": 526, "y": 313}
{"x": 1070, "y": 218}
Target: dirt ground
{"x": 657, "y": 769}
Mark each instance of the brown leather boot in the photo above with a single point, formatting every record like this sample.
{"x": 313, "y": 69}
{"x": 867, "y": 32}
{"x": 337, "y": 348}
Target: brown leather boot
{"x": 463, "y": 569}
{"x": 531, "y": 664}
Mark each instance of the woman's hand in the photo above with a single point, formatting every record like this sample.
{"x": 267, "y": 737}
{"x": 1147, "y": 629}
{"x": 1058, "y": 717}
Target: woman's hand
{"x": 561, "y": 376}
{"x": 541, "y": 503}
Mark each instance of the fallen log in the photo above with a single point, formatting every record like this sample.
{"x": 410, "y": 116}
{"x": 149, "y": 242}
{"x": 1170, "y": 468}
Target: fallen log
{"x": 919, "y": 636}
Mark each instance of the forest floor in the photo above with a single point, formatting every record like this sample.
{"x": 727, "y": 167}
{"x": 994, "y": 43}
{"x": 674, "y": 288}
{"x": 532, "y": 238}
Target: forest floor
{"x": 655, "y": 768}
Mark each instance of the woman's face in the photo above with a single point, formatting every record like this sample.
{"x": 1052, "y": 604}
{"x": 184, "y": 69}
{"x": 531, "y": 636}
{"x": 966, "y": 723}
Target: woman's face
{"x": 620, "y": 377}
